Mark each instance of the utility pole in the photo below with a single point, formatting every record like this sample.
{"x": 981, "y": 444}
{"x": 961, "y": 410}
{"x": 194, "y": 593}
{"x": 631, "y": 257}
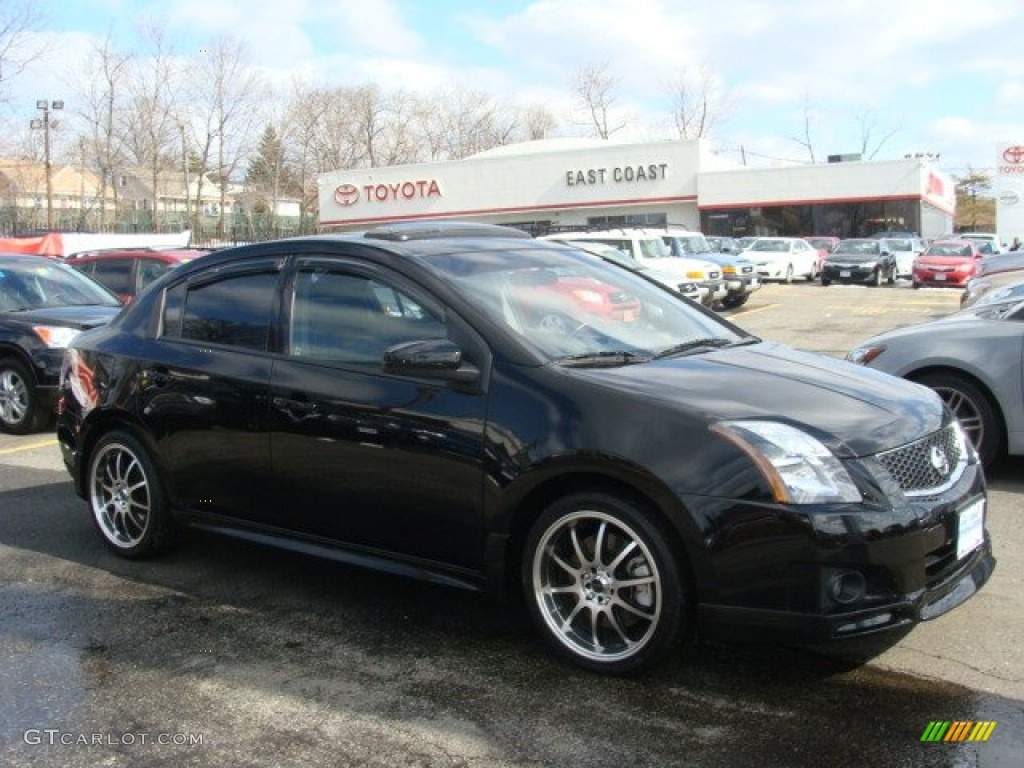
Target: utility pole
{"x": 45, "y": 106}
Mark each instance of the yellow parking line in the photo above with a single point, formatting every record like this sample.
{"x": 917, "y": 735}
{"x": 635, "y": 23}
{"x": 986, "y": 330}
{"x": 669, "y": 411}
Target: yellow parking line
{"x": 29, "y": 447}
{"x": 752, "y": 310}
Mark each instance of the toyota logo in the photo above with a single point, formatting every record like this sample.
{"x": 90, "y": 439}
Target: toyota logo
{"x": 1014, "y": 155}
{"x": 939, "y": 460}
{"x": 346, "y": 195}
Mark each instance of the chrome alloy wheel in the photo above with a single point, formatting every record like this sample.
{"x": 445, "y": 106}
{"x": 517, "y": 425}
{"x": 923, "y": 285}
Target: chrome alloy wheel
{"x": 14, "y": 397}
{"x": 966, "y": 411}
{"x": 119, "y": 495}
{"x": 597, "y": 586}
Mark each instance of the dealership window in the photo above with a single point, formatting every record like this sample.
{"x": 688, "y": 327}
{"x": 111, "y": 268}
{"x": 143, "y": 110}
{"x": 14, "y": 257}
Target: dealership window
{"x": 628, "y": 221}
{"x": 856, "y": 219}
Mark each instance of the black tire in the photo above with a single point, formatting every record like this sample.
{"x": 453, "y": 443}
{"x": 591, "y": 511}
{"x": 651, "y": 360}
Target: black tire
{"x": 974, "y": 410}
{"x": 826, "y": 282}
{"x": 876, "y": 279}
{"x": 596, "y": 604}
{"x": 735, "y": 300}
{"x": 892, "y": 276}
{"x": 126, "y": 498}
{"x": 21, "y": 411}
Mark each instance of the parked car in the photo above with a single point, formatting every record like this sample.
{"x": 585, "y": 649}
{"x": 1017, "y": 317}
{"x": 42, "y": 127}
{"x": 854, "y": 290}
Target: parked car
{"x": 995, "y": 245}
{"x": 635, "y": 481}
{"x": 973, "y": 359}
{"x": 126, "y": 271}
{"x": 947, "y": 263}
{"x": 43, "y": 305}
{"x": 982, "y": 288}
{"x": 687, "y": 288}
{"x": 723, "y": 244}
{"x": 743, "y": 243}
{"x": 906, "y": 250}
{"x": 784, "y": 258}
{"x": 860, "y": 260}
{"x": 738, "y": 272}
{"x": 824, "y": 243}
{"x": 649, "y": 249}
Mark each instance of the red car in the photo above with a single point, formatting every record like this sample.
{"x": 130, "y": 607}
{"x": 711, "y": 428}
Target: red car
{"x": 126, "y": 271}
{"x": 563, "y": 302}
{"x": 947, "y": 263}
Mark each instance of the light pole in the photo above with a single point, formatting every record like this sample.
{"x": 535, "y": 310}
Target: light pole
{"x": 45, "y": 106}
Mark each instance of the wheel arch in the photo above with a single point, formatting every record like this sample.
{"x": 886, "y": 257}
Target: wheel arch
{"x": 102, "y": 424}
{"x": 655, "y": 501}
{"x": 919, "y": 373}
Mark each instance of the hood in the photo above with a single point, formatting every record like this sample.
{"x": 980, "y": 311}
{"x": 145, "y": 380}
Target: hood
{"x": 855, "y": 411}
{"x": 79, "y": 317}
{"x": 945, "y": 261}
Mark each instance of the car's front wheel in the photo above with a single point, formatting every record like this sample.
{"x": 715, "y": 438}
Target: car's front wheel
{"x": 126, "y": 497}
{"x": 603, "y": 584}
{"x": 973, "y": 409}
{"x": 20, "y": 409}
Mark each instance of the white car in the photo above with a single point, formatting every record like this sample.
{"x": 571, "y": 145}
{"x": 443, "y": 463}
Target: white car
{"x": 650, "y": 250}
{"x": 906, "y": 249}
{"x": 784, "y": 258}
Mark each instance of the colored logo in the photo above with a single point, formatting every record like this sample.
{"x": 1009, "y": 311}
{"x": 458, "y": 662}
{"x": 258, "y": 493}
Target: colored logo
{"x": 346, "y": 195}
{"x": 958, "y": 730}
{"x": 939, "y": 460}
{"x": 1014, "y": 155}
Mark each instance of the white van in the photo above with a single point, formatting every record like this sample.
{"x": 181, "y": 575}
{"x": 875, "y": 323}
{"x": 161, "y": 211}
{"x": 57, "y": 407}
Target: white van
{"x": 649, "y": 250}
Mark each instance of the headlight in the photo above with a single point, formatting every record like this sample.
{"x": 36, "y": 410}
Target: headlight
{"x": 798, "y": 468}
{"x": 864, "y": 355}
{"x": 55, "y": 336}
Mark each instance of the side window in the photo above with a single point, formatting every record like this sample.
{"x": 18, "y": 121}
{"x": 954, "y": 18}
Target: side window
{"x": 149, "y": 270}
{"x": 235, "y": 310}
{"x": 116, "y": 274}
{"x": 348, "y": 318}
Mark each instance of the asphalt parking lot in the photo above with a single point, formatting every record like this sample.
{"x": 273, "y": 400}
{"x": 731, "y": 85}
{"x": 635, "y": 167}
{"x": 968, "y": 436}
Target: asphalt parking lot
{"x": 226, "y": 654}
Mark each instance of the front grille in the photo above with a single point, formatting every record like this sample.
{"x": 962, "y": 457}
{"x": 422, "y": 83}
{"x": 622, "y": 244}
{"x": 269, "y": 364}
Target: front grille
{"x": 746, "y": 270}
{"x": 927, "y": 466}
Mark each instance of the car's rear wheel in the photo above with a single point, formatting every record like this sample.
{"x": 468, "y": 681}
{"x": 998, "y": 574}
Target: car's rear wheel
{"x": 973, "y": 409}
{"x": 20, "y": 409}
{"x": 126, "y": 497}
{"x": 603, "y": 584}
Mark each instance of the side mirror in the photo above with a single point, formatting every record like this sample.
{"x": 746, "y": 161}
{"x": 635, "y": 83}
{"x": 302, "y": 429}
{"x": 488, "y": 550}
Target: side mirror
{"x": 430, "y": 358}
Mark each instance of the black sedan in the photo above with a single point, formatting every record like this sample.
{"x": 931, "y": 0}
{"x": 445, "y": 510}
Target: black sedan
{"x": 43, "y": 304}
{"x": 860, "y": 260}
{"x": 389, "y": 399}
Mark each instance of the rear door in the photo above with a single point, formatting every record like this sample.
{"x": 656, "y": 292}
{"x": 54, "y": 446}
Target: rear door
{"x": 204, "y": 387}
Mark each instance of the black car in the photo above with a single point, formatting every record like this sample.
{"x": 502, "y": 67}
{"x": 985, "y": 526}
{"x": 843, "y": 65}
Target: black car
{"x": 860, "y": 260}
{"x": 388, "y": 399}
{"x": 43, "y": 304}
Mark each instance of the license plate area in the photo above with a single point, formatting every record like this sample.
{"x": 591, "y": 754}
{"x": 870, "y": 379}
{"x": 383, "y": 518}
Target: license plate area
{"x": 970, "y": 528}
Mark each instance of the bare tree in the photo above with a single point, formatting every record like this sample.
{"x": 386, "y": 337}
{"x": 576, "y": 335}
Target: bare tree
{"x": 538, "y": 122}
{"x": 805, "y": 139}
{"x": 224, "y": 96}
{"x": 870, "y": 147}
{"x": 596, "y": 90}
{"x": 698, "y": 103}
{"x": 101, "y": 89}
{"x": 18, "y": 19}
{"x": 151, "y": 128}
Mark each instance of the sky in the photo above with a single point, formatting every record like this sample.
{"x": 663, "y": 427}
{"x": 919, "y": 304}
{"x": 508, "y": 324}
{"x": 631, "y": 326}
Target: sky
{"x": 914, "y": 76}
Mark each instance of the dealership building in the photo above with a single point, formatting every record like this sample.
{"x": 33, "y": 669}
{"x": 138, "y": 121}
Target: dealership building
{"x": 557, "y": 184}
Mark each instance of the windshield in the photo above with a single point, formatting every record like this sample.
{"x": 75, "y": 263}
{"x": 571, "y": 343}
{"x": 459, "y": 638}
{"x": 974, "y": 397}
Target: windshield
{"x": 859, "y": 247}
{"x": 771, "y": 246}
{"x": 686, "y": 244}
{"x": 577, "y": 309}
{"x": 33, "y": 286}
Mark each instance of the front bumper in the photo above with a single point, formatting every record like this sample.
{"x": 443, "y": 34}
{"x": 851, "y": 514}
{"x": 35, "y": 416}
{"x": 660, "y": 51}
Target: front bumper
{"x": 848, "y": 273}
{"x": 835, "y": 572}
